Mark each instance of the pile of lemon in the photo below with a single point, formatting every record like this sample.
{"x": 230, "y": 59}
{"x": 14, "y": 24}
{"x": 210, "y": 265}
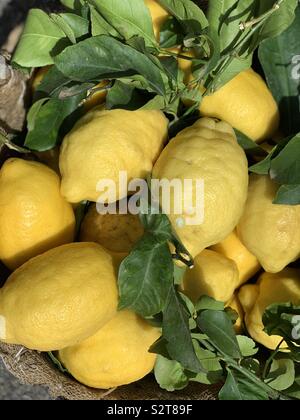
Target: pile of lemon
{"x": 62, "y": 296}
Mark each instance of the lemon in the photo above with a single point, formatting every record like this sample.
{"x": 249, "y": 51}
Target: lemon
{"x": 96, "y": 97}
{"x": 34, "y": 217}
{"x": 158, "y": 14}
{"x": 116, "y": 232}
{"x": 234, "y": 249}
{"x": 116, "y": 355}
{"x": 59, "y": 298}
{"x": 207, "y": 152}
{"x": 269, "y": 231}
{"x": 272, "y": 288}
{"x": 235, "y": 304}
{"x": 102, "y": 144}
{"x": 212, "y": 275}
{"x": 247, "y": 104}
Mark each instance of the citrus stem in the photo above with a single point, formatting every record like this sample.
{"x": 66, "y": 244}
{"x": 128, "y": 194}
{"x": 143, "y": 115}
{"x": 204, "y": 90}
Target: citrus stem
{"x": 264, "y": 16}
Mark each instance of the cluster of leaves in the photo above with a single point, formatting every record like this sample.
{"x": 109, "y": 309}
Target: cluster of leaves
{"x": 97, "y": 40}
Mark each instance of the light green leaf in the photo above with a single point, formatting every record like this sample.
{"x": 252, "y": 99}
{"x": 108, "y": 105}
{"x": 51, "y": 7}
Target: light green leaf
{"x": 282, "y": 374}
{"x": 285, "y": 167}
{"x": 100, "y": 26}
{"x": 129, "y": 17}
{"x": 169, "y": 374}
{"x": 213, "y": 370}
{"x": 206, "y": 302}
{"x": 247, "y": 346}
{"x": 125, "y": 96}
{"x": 38, "y": 40}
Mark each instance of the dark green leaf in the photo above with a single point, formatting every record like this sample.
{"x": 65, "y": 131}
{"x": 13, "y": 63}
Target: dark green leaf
{"x": 188, "y": 14}
{"x": 239, "y": 388}
{"x": 282, "y": 374}
{"x": 262, "y": 167}
{"x": 125, "y": 96}
{"x": 285, "y": 168}
{"x": 52, "y": 83}
{"x": 177, "y": 333}
{"x": 169, "y": 374}
{"x": 38, "y": 39}
{"x": 160, "y": 347}
{"x": 288, "y": 194}
{"x": 158, "y": 225}
{"x": 145, "y": 277}
{"x": 283, "y": 73}
{"x": 206, "y": 302}
{"x": 129, "y": 17}
{"x": 283, "y": 320}
{"x": 170, "y": 33}
{"x": 103, "y": 57}
{"x": 218, "y": 327}
{"x": 251, "y": 148}
{"x": 49, "y": 119}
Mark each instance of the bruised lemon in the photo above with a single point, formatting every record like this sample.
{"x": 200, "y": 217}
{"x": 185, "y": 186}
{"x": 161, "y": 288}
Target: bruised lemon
{"x": 34, "y": 217}
{"x": 59, "y": 298}
{"x": 118, "y": 354}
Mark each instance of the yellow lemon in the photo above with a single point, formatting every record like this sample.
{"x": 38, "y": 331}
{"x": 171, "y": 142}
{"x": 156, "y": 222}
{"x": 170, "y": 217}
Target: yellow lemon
{"x": 207, "y": 155}
{"x": 34, "y": 217}
{"x": 212, "y": 275}
{"x": 116, "y": 355}
{"x": 159, "y": 15}
{"x": 59, "y": 298}
{"x": 246, "y": 262}
{"x": 269, "y": 231}
{"x": 103, "y": 144}
{"x": 271, "y": 288}
{"x": 247, "y": 104}
{"x": 116, "y": 232}
{"x": 235, "y": 304}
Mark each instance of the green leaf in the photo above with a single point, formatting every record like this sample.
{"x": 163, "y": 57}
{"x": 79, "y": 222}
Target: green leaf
{"x": 206, "y": 302}
{"x": 100, "y": 26}
{"x": 282, "y": 374}
{"x": 188, "y": 14}
{"x": 145, "y": 277}
{"x": 169, "y": 374}
{"x": 33, "y": 113}
{"x": 239, "y": 388}
{"x": 52, "y": 83}
{"x": 218, "y": 327}
{"x": 72, "y": 25}
{"x": 251, "y": 148}
{"x": 57, "y": 363}
{"x": 176, "y": 332}
{"x": 71, "y": 4}
{"x": 285, "y": 168}
{"x": 38, "y": 40}
{"x": 170, "y": 34}
{"x": 129, "y": 17}
{"x": 262, "y": 167}
{"x": 247, "y": 346}
{"x": 213, "y": 370}
{"x": 293, "y": 391}
{"x": 288, "y": 195}
{"x": 157, "y": 224}
{"x": 125, "y": 96}
{"x": 179, "y": 273}
{"x": 283, "y": 73}
{"x": 103, "y": 57}
{"x": 283, "y": 319}
{"x": 49, "y": 119}
{"x": 279, "y": 21}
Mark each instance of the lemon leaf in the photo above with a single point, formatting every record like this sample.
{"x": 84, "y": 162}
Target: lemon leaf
{"x": 239, "y": 388}
{"x": 145, "y": 277}
{"x": 169, "y": 374}
{"x": 38, "y": 40}
{"x": 281, "y": 375}
{"x": 288, "y": 195}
